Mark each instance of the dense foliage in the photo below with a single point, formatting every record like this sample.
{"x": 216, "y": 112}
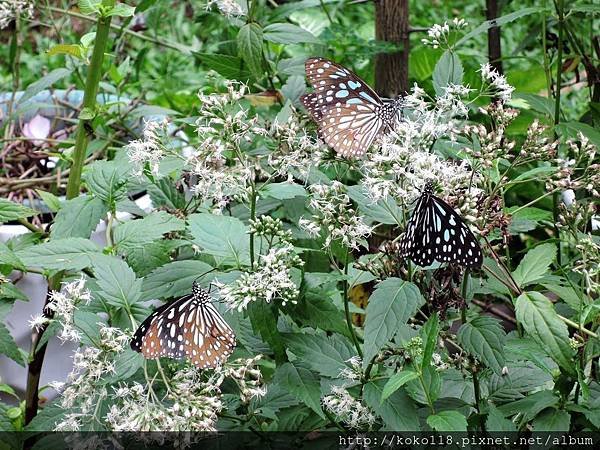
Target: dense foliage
{"x": 335, "y": 329}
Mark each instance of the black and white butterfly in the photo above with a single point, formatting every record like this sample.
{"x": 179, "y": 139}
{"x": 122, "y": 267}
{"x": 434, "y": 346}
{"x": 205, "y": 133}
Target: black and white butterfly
{"x": 350, "y": 115}
{"x": 436, "y": 233}
{"x": 189, "y": 327}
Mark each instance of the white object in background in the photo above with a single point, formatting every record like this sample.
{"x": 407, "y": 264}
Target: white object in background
{"x": 568, "y": 197}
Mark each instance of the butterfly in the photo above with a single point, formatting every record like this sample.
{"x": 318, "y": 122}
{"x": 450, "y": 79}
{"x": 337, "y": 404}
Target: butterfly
{"x": 436, "y": 233}
{"x": 350, "y": 115}
{"x": 189, "y": 327}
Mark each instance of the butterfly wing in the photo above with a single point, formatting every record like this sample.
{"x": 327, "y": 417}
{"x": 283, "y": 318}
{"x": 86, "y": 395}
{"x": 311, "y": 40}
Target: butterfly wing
{"x": 349, "y": 113}
{"x": 416, "y": 243}
{"x": 189, "y": 327}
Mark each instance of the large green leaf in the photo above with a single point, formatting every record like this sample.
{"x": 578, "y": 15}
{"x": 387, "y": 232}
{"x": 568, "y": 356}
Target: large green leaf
{"x": 13, "y": 211}
{"x": 78, "y": 217}
{"x": 263, "y": 317}
{"x": 282, "y": 191}
{"x": 552, "y": 419}
{"x": 316, "y": 309}
{"x": 8, "y": 346}
{"x": 447, "y": 421}
{"x": 326, "y": 355}
{"x": 391, "y": 305}
{"x": 398, "y": 411}
{"x": 60, "y": 254}
{"x": 173, "y": 279}
{"x": 302, "y": 383}
{"x": 537, "y": 316}
{"x": 535, "y": 264}
{"x": 429, "y": 333}
{"x": 107, "y": 180}
{"x": 231, "y": 67}
{"x": 137, "y": 233}
{"x": 222, "y": 236}
{"x": 287, "y": 33}
{"x": 8, "y": 257}
{"x": 529, "y": 406}
{"x": 396, "y": 381}
{"x": 249, "y": 42}
{"x": 496, "y": 422}
{"x": 384, "y": 211}
{"x": 42, "y": 83}
{"x": 484, "y": 338}
{"x": 448, "y": 71}
{"x": 117, "y": 282}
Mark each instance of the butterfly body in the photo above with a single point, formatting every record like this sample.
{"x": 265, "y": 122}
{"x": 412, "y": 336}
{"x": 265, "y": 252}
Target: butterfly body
{"x": 189, "y": 327}
{"x": 435, "y": 232}
{"x": 350, "y": 115}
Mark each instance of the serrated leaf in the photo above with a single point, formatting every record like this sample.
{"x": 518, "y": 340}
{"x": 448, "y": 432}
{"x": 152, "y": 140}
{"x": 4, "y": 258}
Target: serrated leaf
{"x": 117, "y": 282}
{"x": 13, "y": 211}
{"x": 317, "y": 310}
{"x": 49, "y": 199}
{"x": 222, "y": 236}
{"x": 529, "y": 406}
{"x": 137, "y": 233}
{"x": 173, "y": 279}
{"x": 107, "y": 180}
{"x": 231, "y": 67}
{"x": 302, "y": 383}
{"x": 484, "y": 339}
{"x": 283, "y": 191}
{"x": 537, "y": 316}
{"x": 535, "y": 264}
{"x": 393, "y": 302}
{"x": 60, "y": 254}
{"x": 326, "y": 355}
{"x": 398, "y": 411}
{"x": 287, "y": 33}
{"x": 263, "y": 317}
{"x": 396, "y": 381}
{"x": 496, "y": 422}
{"x": 552, "y": 419}
{"x": 46, "y": 418}
{"x": 448, "y": 71}
{"x": 276, "y": 399}
{"x": 78, "y": 217}
{"x": 447, "y": 421}
{"x": 384, "y": 211}
{"x": 121, "y": 10}
{"x": 47, "y": 80}
{"x": 249, "y": 42}
{"x": 8, "y": 257}
{"x": 89, "y": 6}
{"x": 9, "y": 347}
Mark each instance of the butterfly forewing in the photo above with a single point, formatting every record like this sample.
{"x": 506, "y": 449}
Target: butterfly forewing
{"x": 435, "y": 232}
{"x": 190, "y": 328}
{"x": 349, "y": 113}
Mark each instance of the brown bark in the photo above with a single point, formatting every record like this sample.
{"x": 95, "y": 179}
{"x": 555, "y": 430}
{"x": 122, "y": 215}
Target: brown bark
{"x": 392, "y": 25}
{"x": 494, "y": 48}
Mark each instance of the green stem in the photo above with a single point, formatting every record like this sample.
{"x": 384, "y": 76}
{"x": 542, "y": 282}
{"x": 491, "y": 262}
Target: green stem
{"x": 253, "y": 218}
{"x": 555, "y": 196}
{"x": 347, "y": 305}
{"x": 89, "y": 102}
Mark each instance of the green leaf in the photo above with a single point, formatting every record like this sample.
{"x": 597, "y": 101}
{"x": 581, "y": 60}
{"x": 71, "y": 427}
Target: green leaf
{"x": 384, "y": 211}
{"x": 78, "y": 217}
{"x": 47, "y": 418}
{"x": 398, "y": 411}
{"x": 552, "y": 419}
{"x": 499, "y": 22}
{"x": 249, "y": 42}
{"x": 535, "y": 264}
{"x": 572, "y": 129}
{"x": 117, "y": 282}
{"x": 8, "y": 257}
{"x": 317, "y": 310}
{"x": 9, "y": 347}
{"x": 537, "y": 316}
{"x": 74, "y": 50}
{"x": 396, "y": 381}
{"x": 301, "y": 383}
{"x": 121, "y": 10}
{"x": 89, "y": 6}
{"x": 529, "y": 406}
{"x": 137, "y": 233}
{"x": 47, "y": 80}
{"x": 231, "y": 67}
{"x": 326, "y": 355}
{"x": 283, "y": 191}
{"x": 51, "y": 200}
{"x": 221, "y": 236}
{"x": 538, "y": 103}
{"x": 429, "y": 333}
{"x": 173, "y": 279}
{"x": 496, "y": 422}
{"x": 447, "y": 421}
{"x": 60, "y": 254}
{"x": 108, "y": 180}
{"x": 275, "y": 399}
{"x": 448, "y": 70}
{"x": 484, "y": 339}
{"x": 13, "y": 211}
{"x": 126, "y": 365}
{"x": 393, "y": 302}
{"x": 287, "y": 33}
{"x": 263, "y": 317}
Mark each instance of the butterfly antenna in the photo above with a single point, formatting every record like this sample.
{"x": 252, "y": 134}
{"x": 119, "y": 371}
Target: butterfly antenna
{"x": 205, "y": 273}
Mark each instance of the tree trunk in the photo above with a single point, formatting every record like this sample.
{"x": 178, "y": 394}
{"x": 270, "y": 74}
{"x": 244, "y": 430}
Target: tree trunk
{"x": 494, "y": 49}
{"x": 391, "y": 25}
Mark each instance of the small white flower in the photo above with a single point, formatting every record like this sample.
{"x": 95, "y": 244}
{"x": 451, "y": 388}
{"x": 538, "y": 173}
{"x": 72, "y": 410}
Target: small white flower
{"x": 10, "y": 9}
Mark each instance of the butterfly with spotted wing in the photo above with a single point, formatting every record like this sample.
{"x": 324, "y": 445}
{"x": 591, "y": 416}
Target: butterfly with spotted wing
{"x": 350, "y": 115}
{"x": 436, "y": 233}
{"x": 189, "y": 327}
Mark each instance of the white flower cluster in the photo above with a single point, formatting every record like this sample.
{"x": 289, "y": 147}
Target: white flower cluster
{"x": 496, "y": 83}
{"x": 83, "y": 388}
{"x": 149, "y": 150}
{"x": 229, "y": 8}
{"x": 439, "y": 34}
{"x": 347, "y": 409}
{"x": 353, "y": 371}
{"x": 335, "y": 216}
{"x": 11, "y": 9}
{"x": 246, "y": 375}
{"x": 64, "y": 303}
{"x": 271, "y": 281}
